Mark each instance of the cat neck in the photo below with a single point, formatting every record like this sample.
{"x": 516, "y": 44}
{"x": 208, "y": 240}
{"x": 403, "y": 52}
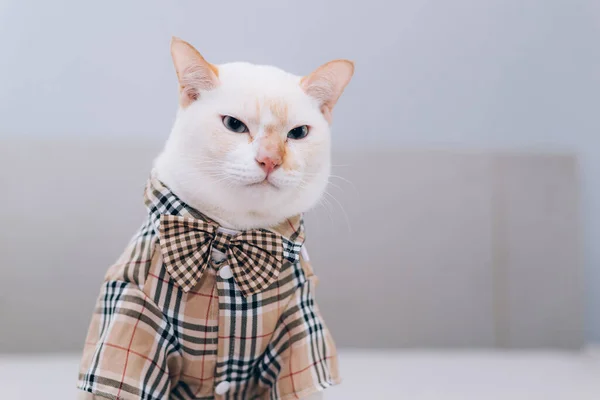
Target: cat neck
{"x": 230, "y": 218}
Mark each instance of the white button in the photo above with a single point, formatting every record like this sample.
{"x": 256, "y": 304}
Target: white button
{"x": 222, "y": 387}
{"x": 225, "y": 272}
{"x": 217, "y": 256}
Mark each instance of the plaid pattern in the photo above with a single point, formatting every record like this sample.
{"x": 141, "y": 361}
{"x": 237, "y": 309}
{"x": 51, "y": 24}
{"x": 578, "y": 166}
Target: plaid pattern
{"x": 255, "y": 256}
{"x": 168, "y": 326}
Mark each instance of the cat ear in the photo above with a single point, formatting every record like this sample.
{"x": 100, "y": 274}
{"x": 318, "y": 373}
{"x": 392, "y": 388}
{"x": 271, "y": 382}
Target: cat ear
{"x": 327, "y": 83}
{"x": 195, "y": 74}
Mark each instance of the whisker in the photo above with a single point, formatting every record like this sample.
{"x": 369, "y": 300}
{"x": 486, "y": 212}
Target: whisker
{"x": 325, "y": 203}
{"x": 345, "y": 180}
{"x": 342, "y": 208}
{"x": 334, "y": 185}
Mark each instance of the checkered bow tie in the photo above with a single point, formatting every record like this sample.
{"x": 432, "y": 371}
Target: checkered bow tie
{"x": 255, "y": 256}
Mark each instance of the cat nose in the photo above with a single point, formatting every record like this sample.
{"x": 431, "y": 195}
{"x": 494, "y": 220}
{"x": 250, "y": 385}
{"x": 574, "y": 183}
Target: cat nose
{"x": 268, "y": 163}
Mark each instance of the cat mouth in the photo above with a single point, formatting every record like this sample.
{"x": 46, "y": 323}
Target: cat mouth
{"x": 264, "y": 183}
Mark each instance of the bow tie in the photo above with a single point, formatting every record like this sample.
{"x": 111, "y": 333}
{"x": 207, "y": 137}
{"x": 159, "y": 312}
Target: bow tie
{"x": 255, "y": 256}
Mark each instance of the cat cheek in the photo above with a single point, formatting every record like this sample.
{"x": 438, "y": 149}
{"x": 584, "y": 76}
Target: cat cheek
{"x": 313, "y": 155}
{"x": 290, "y": 162}
{"x": 222, "y": 144}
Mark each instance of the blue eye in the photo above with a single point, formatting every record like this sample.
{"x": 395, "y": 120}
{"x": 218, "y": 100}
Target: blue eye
{"x": 299, "y": 132}
{"x": 234, "y": 125}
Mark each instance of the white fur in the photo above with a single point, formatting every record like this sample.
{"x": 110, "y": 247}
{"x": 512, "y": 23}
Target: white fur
{"x": 214, "y": 170}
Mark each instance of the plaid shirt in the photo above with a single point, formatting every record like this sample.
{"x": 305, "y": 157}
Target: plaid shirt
{"x": 190, "y": 312}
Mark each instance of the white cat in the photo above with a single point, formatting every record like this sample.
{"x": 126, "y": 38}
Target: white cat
{"x": 250, "y": 146}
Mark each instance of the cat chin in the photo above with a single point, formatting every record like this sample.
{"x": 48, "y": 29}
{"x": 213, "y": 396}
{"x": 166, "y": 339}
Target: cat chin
{"x": 253, "y": 207}
{"x": 238, "y": 207}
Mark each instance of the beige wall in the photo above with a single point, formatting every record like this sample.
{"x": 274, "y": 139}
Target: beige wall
{"x": 439, "y": 248}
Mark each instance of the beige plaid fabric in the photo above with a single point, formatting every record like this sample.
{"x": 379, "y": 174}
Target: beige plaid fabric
{"x": 169, "y": 324}
{"x": 255, "y": 256}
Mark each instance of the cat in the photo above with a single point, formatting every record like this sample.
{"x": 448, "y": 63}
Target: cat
{"x": 250, "y": 146}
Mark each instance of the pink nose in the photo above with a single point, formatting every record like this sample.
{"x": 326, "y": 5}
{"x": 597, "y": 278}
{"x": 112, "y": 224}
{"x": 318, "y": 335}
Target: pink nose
{"x": 268, "y": 164}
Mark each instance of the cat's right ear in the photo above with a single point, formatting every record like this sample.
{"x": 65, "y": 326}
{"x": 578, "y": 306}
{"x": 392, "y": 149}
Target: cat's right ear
{"x": 194, "y": 73}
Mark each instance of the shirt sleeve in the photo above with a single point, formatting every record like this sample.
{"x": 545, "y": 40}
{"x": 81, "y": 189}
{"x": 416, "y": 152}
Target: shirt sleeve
{"x": 131, "y": 351}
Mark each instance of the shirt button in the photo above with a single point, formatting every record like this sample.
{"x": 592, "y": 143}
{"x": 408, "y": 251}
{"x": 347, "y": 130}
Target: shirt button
{"x": 222, "y": 387}
{"x": 225, "y": 272}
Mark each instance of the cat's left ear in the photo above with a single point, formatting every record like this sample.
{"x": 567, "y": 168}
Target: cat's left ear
{"x": 195, "y": 74}
{"x": 327, "y": 83}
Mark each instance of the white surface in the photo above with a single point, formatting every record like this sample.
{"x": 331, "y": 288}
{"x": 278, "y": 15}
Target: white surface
{"x": 410, "y": 375}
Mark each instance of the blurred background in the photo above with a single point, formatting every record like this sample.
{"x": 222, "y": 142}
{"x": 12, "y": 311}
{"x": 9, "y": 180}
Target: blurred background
{"x": 457, "y": 245}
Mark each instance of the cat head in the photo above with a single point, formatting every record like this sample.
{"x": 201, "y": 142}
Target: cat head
{"x": 250, "y": 145}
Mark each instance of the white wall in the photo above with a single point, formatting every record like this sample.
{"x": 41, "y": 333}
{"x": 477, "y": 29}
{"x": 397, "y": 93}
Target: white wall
{"x": 466, "y": 73}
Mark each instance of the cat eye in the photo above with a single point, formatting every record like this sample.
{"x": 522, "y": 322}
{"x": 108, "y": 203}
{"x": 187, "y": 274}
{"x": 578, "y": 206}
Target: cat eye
{"x": 234, "y": 125}
{"x": 299, "y": 132}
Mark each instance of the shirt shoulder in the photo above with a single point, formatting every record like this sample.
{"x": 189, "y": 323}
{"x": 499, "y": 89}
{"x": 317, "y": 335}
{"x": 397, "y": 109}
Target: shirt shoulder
{"x": 140, "y": 257}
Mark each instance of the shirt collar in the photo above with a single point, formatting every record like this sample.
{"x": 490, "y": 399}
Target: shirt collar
{"x": 160, "y": 200}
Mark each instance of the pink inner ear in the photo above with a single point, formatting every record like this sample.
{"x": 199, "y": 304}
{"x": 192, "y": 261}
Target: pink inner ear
{"x": 318, "y": 86}
{"x": 323, "y": 90}
{"x": 195, "y": 74}
{"x": 327, "y": 113}
{"x": 327, "y": 83}
{"x": 188, "y": 96}
{"x": 195, "y": 79}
